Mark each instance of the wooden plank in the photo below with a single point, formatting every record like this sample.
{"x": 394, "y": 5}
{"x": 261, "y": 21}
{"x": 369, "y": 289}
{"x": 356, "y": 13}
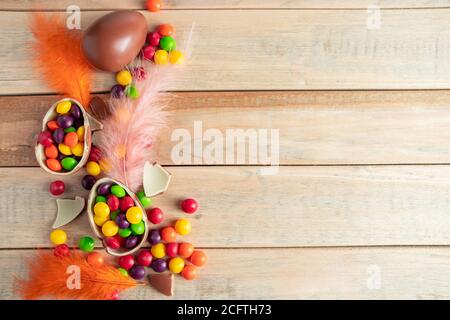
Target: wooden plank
{"x": 244, "y": 207}
{"x": 315, "y": 127}
{"x": 322, "y": 273}
{"x": 309, "y": 49}
{"x": 223, "y": 4}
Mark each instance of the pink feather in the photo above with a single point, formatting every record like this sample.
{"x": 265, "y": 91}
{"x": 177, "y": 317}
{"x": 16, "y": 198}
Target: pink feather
{"x": 130, "y": 132}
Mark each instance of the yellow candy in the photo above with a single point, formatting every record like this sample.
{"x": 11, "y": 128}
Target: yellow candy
{"x": 80, "y": 133}
{"x": 134, "y": 215}
{"x": 63, "y": 107}
{"x": 158, "y": 251}
{"x": 110, "y": 228}
{"x": 183, "y": 226}
{"x": 161, "y": 57}
{"x": 176, "y": 57}
{"x": 93, "y": 168}
{"x": 124, "y": 77}
{"x": 58, "y": 237}
{"x": 65, "y": 150}
{"x": 99, "y": 221}
{"x": 176, "y": 265}
{"x": 101, "y": 210}
{"x": 78, "y": 149}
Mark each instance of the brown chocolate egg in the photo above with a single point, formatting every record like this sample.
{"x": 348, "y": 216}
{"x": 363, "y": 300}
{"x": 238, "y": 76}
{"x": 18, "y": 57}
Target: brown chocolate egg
{"x": 115, "y": 39}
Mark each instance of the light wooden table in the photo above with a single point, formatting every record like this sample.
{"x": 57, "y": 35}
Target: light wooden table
{"x": 360, "y": 206}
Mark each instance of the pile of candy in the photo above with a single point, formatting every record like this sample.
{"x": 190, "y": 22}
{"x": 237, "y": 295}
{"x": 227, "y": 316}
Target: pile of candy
{"x": 63, "y": 141}
{"x": 159, "y": 48}
{"x": 118, "y": 216}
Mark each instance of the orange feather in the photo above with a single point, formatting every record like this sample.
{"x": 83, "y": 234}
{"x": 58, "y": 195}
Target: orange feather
{"x": 58, "y": 55}
{"x": 49, "y": 277}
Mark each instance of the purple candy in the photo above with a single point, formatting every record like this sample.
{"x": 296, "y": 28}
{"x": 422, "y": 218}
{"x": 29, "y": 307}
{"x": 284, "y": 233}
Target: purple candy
{"x": 117, "y": 91}
{"x": 131, "y": 242}
{"x": 159, "y": 265}
{"x": 103, "y": 189}
{"x": 78, "y": 123}
{"x": 64, "y": 121}
{"x": 122, "y": 221}
{"x": 75, "y": 111}
{"x": 137, "y": 272}
{"x": 58, "y": 135}
{"x": 88, "y": 182}
{"x": 154, "y": 237}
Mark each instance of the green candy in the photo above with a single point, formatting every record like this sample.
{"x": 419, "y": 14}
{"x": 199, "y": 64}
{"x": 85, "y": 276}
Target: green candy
{"x": 70, "y": 129}
{"x": 86, "y": 244}
{"x": 145, "y": 201}
{"x": 118, "y": 191}
{"x": 132, "y": 92}
{"x": 114, "y": 214}
{"x": 69, "y": 163}
{"x": 167, "y": 43}
{"x": 100, "y": 199}
{"x": 125, "y": 233}
{"x": 138, "y": 228}
{"x": 123, "y": 271}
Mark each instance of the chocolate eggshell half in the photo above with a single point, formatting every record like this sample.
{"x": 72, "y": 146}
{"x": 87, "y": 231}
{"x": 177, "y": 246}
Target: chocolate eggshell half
{"x": 115, "y": 39}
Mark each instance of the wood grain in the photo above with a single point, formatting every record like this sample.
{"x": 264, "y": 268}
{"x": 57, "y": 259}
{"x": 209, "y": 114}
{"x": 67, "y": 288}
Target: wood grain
{"x": 315, "y": 127}
{"x": 224, "y": 4}
{"x": 244, "y": 207}
{"x": 364, "y": 273}
{"x": 308, "y": 49}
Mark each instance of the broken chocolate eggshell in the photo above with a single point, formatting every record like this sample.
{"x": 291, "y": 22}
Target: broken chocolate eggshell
{"x": 97, "y": 230}
{"x": 90, "y": 124}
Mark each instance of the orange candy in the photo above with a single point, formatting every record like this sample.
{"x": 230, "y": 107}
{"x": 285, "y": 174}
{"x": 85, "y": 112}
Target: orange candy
{"x": 168, "y": 234}
{"x": 189, "y": 272}
{"x": 165, "y": 30}
{"x": 71, "y": 139}
{"x": 95, "y": 259}
{"x": 51, "y": 152}
{"x": 153, "y": 5}
{"x": 52, "y": 125}
{"x": 53, "y": 164}
{"x": 198, "y": 258}
{"x": 185, "y": 250}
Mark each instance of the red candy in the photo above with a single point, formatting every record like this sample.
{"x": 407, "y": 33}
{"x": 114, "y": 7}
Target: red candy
{"x": 168, "y": 234}
{"x": 61, "y": 250}
{"x": 189, "y": 205}
{"x": 125, "y": 203}
{"x": 113, "y": 202}
{"x": 153, "y": 38}
{"x": 115, "y": 295}
{"x": 172, "y": 249}
{"x": 144, "y": 258}
{"x": 155, "y": 215}
{"x": 45, "y": 138}
{"x": 96, "y": 154}
{"x": 126, "y": 262}
{"x": 112, "y": 242}
{"x": 52, "y": 125}
{"x": 57, "y": 187}
{"x": 148, "y": 52}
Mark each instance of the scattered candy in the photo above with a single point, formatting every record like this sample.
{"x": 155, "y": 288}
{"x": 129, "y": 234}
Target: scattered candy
{"x": 144, "y": 258}
{"x": 183, "y": 226}
{"x": 124, "y": 77}
{"x": 61, "y": 250}
{"x": 95, "y": 259}
{"x": 159, "y": 265}
{"x": 167, "y": 43}
{"x": 88, "y": 182}
{"x": 189, "y": 205}
{"x": 168, "y": 234}
{"x": 149, "y": 52}
{"x": 145, "y": 201}
{"x": 126, "y": 262}
{"x": 123, "y": 271}
{"x": 115, "y": 295}
{"x": 155, "y": 215}
{"x": 103, "y": 189}
{"x": 198, "y": 258}
{"x": 176, "y": 265}
{"x": 154, "y": 237}
{"x": 86, "y": 244}
{"x": 95, "y": 154}
{"x": 93, "y": 168}
{"x": 172, "y": 249}
{"x": 117, "y": 91}
{"x": 161, "y": 57}
{"x": 158, "y": 250}
{"x": 131, "y": 92}
{"x": 189, "y": 272}
{"x": 176, "y": 57}
{"x": 137, "y": 272}
{"x": 153, "y": 5}
{"x": 57, "y": 188}
{"x": 58, "y": 236}
{"x": 185, "y": 250}
{"x": 153, "y": 38}
{"x": 165, "y": 29}
{"x": 100, "y": 199}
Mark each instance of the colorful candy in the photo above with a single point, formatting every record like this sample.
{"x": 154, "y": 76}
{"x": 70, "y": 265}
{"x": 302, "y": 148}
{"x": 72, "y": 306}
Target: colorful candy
{"x": 172, "y": 249}
{"x": 198, "y": 258}
{"x": 149, "y": 52}
{"x": 100, "y": 221}
{"x": 100, "y": 199}
{"x": 189, "y": 272}
{"x": 51, "y": 152}
{"x": 134, "y": 215}
{"x": 110, "y": 228}
{"x": 126, "y": 262}
{"x": 69, "y": 163}
{"x": 117, "y": 91}
{"x": 101, "y": 209}
{"x": 123, "y": 271}
{"x": 86, "y": 244}
{"x": 185, "y": 250}
{"x": 153, "y": 5}
{"x": 75, "y": 111}
{"x": 153, "y": 38}
{"x": 137, "y": 272}
{"x": 183, "y": 226}
{"x": 58, "y": 135}
{"x": 113, "y": 202}
{"x": 45, "y": 138}
{"x": 168, "y": 234}
{"x": 63, "y": 107}
{"x": 159, "y": 265}
{"x": 57, "y": 188}
{"x": 161, "y": 57}
{"x": 155, "y": 215}
{"x": 132, "y": 92}
{"x": 124, "y": 233}
{"x": 138, "y": 228}
{"x": 53, "y": 164}
{"x": 158, "y": 250}
{"x": 176, "y": 57}
{"x": 165, "y": 29}
{"x": 176, "y": 265}
{"x": 124, "y": 77}
{"x": 92, "y": 168}
{"x": 112, "y": 242}
{"x": 52, "y": 125}
{"x": 95, "y": 259}
{"x": 78, "y": 149}
{"x": 167, "y": 43}
{"x": 96, "y": 154}
{"x": 58, "y": 236}
{"x": 61, "y": 250}
{"x": 126, "y": 203}
{"x": 88, "y": 182}
{"x": 189, "y": 205}
{"x": 143, "y": 199}
{"x": 131, "y": 242}
{"x": 144, "y": 258}
{"x": 154, "y": 237}
{"x": 118, "y": 191}
{"x": 122, "y": 221}
{"x": 71, "y": 139}
{"x": 64, "y": 121}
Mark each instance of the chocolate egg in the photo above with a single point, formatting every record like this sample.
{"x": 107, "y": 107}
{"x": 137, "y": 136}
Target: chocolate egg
{"x": 115, "y": 39}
